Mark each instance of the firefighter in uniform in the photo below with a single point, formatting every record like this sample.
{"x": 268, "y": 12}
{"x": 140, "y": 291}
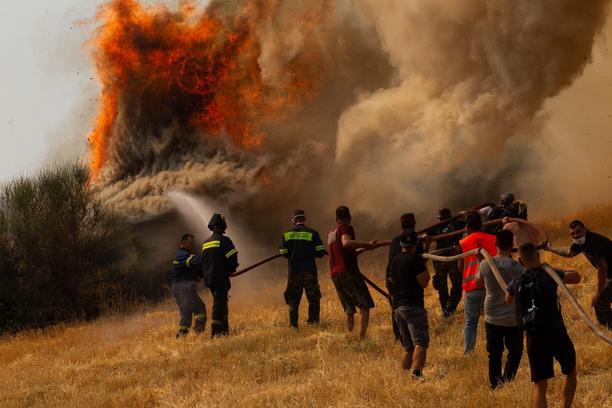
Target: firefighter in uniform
{"x": 186, "y": 272}
{"x": 219, "y": 260}
{"x": 447, "y": 270}
{"x": 301, "y": 245}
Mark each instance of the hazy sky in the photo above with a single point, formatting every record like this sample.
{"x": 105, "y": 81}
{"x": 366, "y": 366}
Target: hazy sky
{"x": 46, "y": 95}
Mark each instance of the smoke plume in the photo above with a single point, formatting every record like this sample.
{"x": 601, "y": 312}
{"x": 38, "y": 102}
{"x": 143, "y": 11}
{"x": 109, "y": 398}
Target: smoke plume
{"x": 384, "y": 105}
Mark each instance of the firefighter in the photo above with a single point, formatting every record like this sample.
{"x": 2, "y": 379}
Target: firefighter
{"x": 219, "y": 260}
{"x": 301, "y": 245}
{"x": 446, "y": 270}
{"x": 186, "y": 272}
{"x": 508, "y": 207}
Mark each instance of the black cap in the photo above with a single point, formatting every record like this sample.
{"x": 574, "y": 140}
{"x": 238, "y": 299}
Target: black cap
{"x": 444, "y": 214}
{"x": 409, "y": 239}
{"x": 408, "y": 221}
{"x": 473, "y": 221}
{"x": 217, "y": 221}
{"x": 343, "y": 213}
{"x": 298, "y": 215}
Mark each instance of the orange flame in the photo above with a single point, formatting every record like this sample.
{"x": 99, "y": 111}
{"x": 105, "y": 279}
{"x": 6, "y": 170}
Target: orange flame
{"x": 204, "y": 68}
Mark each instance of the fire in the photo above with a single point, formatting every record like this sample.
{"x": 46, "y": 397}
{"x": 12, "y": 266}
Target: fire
{"x": 195, "y": 69}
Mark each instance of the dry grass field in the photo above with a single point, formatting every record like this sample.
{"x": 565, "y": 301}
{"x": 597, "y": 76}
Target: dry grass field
{"x": 134, "y": 360}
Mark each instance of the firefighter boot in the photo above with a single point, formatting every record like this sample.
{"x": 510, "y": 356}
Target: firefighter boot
{"x": 313, "y": 313}
{"x": 293, "y": 316}
{"x": 199, "y": 323}
{"x": 182, "y": 332}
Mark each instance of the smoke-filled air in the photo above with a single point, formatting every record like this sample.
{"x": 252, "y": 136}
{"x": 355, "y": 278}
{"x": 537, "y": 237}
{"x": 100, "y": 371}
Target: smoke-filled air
{"x": 384, "y": 105}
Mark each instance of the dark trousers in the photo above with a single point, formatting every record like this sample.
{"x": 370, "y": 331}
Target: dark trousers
{"x": 602, "y": 307}
{"x": 448, "y": 300}
{"x": 497, "y": 337}
{"x": 190, "y": 306}
{"x": 296, "y": 285}
{"x": 220, "y": 311}
{"x": 396, "y": 330}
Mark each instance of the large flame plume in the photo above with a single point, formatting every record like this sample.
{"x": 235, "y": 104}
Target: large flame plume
{"x": 196, "y": 70}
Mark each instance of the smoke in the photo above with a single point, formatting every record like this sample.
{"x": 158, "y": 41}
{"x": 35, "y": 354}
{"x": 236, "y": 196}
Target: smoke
{"x": 385, "y": 105}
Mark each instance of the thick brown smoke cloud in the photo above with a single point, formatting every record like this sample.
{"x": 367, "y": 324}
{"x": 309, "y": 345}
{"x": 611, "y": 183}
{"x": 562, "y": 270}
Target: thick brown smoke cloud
{"x": 416, "y": 104}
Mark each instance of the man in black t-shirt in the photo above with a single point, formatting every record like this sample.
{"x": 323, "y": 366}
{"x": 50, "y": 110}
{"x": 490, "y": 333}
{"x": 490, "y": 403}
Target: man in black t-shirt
{"x": 408, "y": 223}
{"x": 598, "y": 250}
{"x": 547, "y": 337}
{"x": 409, "y": 277}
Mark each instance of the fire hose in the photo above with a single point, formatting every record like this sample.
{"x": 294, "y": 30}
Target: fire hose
{"x": 498, "y": 277}
{"x": 365, "y": 278}
{"x": 551, "y": 272}
{"x": 500, "y": 280}
{"x": 381, "y": 243}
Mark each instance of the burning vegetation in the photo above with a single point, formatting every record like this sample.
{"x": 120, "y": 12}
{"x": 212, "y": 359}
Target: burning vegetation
{"x": 192, "y": 70}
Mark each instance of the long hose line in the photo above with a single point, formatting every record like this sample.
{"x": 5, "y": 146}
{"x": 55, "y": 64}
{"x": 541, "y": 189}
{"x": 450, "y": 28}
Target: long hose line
{"x": 485, "y": 254}
{"x": 596, "y": 329}
{"x": 500, "y": 280}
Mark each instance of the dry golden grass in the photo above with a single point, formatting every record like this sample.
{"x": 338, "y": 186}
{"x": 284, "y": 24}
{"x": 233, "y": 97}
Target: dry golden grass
{"x": 135, "y": 361}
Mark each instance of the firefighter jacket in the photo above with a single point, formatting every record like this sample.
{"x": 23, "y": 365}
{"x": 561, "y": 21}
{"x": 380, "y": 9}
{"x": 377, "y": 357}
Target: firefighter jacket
{"x": 301, "y": 245}
{"x": 186, "y": 266}
{"x": 219, "y": 260}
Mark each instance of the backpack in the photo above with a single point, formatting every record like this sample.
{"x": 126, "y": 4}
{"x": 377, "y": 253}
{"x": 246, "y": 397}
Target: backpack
{"x": 528, "y": 297}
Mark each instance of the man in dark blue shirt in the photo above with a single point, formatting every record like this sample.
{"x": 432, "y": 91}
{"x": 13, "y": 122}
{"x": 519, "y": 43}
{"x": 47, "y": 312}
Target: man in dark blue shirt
{"x": 301, "y": 245}
{"x": 186, "y": 272}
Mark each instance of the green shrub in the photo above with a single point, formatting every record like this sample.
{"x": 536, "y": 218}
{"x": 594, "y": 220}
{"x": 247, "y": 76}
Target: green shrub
{"x": 63, "y": 255}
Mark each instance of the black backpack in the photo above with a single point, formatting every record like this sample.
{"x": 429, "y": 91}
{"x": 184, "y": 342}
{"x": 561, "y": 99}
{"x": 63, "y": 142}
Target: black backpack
{"x": 528, "y": 296}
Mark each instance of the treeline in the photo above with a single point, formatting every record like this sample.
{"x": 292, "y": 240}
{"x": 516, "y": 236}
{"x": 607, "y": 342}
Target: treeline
{"x": 64, "y": 256}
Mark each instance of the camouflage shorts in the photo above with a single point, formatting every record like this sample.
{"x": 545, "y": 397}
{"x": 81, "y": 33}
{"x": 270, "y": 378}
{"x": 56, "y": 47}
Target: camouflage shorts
{"x": 302, "y": 282}
{"x": 352, "y": 292}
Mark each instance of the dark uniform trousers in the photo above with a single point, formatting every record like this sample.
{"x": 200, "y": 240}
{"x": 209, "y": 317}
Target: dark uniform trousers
{"x": 296, "y": 284}
{"x": 220, "y": 311}
{"x": 190, "y": 305}
{"x": 445, "y": 270}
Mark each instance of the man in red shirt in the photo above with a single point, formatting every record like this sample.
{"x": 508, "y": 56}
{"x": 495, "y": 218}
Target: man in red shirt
{"x": 350, "y": 286}
{"x": 473, "y": 304}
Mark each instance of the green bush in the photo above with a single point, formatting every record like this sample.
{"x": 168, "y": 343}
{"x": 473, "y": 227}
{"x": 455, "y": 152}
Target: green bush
{"x": 63, "y": 255}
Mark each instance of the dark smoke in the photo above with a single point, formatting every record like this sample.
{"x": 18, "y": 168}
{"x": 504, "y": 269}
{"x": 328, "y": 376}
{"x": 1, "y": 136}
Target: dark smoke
{"x": 420, "y": 104}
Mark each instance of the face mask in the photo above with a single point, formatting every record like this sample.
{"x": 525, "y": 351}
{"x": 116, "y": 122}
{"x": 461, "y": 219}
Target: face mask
{"x": 579, "y": 241}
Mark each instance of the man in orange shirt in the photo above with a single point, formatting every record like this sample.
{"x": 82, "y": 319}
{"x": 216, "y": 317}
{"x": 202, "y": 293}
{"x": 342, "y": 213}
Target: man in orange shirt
{"x": 473, "y": 304}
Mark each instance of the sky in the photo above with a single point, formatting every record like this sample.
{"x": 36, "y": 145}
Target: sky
{"x": 48, "y": 97}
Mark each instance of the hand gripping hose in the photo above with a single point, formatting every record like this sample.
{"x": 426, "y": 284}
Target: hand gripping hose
{"x": 483, "y": 252}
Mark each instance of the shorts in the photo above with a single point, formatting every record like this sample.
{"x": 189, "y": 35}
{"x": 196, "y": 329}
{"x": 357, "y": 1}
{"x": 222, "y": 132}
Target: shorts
{"x": 543, "y": 346}
{"x": 352, "y": 292}
{"x": 412, "y": 323}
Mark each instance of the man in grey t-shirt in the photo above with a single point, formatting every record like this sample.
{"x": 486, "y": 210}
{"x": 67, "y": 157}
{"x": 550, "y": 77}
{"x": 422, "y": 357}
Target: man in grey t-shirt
{"x": 500, "y": 318}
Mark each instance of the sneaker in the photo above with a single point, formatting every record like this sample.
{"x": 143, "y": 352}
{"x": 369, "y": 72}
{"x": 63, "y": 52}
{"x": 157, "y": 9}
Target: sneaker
{"x": 417, "y": 375}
